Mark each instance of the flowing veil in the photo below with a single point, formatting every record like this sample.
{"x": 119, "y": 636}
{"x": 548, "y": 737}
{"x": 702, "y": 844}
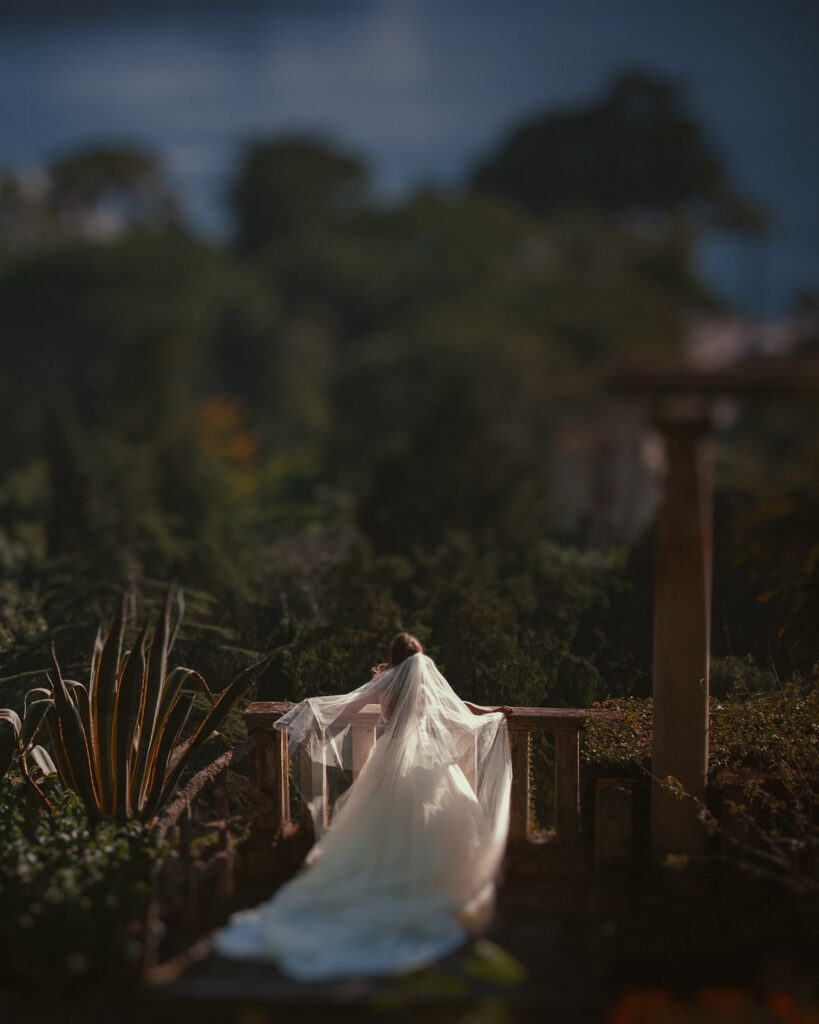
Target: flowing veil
{"x": 408, "y": 864}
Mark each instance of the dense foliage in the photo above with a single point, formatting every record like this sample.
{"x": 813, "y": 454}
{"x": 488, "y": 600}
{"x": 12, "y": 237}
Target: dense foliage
{"x": 762, "y": 803}
{"x": 774, "y": 732}
{"x": 360, "y": 418}
{"x": 72, "y": 894}
{"x": 636, "y": 148}
{"x": 513, "y": 624}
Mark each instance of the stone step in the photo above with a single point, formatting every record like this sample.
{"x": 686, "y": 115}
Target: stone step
{"x": 558, "y": 983}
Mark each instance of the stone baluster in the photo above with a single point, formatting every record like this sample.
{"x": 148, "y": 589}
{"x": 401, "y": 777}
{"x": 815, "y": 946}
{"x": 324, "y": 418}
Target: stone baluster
{"x": 225, "y": 854}
{"x": 519, "y": 803}
{"x": 270, "y": 800}
{"x": 613, "y": 819}
{"x": 567, "y": 785}
{"x": 363, "y": 742}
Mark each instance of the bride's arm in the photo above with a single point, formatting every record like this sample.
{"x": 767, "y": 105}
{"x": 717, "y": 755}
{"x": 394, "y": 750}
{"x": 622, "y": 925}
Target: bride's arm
{"x": 480, "y": 709}
{"x": 322, "y": 712}
{"x": 369, "y": 694}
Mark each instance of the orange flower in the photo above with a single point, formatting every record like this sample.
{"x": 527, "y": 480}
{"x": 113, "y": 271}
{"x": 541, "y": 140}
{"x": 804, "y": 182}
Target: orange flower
{"x": 725, "y": 1000}
{"x": 645, "y": 1006}
{"x": 222, "y": 431}
{"x": 787, "y": 1009}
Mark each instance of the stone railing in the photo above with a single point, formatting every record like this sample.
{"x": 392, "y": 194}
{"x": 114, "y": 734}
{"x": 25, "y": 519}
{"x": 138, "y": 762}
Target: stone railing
{"x": 195, "y": 891}
{"x": 270, "y": 783}
{"x": 567, "y": 724}
{"x": 185, "y": 883}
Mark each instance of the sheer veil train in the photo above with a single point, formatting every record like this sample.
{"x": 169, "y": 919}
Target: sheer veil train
{"x": 407, "y": 868}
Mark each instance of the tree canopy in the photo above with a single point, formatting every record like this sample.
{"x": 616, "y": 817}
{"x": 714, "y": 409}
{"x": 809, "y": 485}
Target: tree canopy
{"x": 290, "y": 185}
{"x": 362, "y": 417}
{"x": 637, "y": 149}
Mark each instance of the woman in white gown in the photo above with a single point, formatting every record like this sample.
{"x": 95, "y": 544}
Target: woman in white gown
{"x": 407, "y": 868}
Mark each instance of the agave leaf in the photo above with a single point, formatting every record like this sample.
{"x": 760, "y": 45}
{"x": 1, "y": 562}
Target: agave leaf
{"x": 58, "y": 749}
{"x": 34, "y": 718}
{"x": 151, "y": 691}
{"x": 40, "y": 756}
{"x": 9, "y": 738}
{"x": 159, "y": 768}
{"x": 125, "y": 720}
{"x": 35, "y": 691}
{"x": 95, "y": 660}
{"x": 228, "y": 699}
{"x": 11, "y": 716}
{"x": 75, "y": 743}
{"x": 93, "y": 681}
{"x": 180, "y": 606}
{"x": 79, "y": 694}
{"x": 102, "y": 711}
{"x": 171, "y": 689}
{"x": 201, "y": 684}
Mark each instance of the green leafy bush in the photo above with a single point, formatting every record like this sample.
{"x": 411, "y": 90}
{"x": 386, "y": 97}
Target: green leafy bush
{"x": 72, "y": 895}
{"x": 768, "y": 744}
{"x": 774, "y": 732}
{"x": 771, "y": 732}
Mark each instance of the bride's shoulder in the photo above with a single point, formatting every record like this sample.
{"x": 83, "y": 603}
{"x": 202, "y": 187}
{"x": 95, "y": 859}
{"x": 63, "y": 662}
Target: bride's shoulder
{"x": 425, "y": 667}
{"x": 418, "y": 658}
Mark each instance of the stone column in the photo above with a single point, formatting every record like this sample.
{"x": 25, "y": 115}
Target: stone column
{"x": 682, "y": 633}
{"x": 567, "y": 785}
{"x": 270, "y": 806}
{"x": 519, "y": 800}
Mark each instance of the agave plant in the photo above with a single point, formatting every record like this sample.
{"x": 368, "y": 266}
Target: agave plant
{"x": 116, "y": 742}
{"x": 18, "y": 739}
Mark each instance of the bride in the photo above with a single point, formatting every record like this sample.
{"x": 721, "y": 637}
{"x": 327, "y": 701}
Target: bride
{"x": 406, "y": 870}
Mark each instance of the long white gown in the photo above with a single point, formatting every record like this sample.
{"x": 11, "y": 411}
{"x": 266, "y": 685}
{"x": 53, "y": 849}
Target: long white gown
{"x": 407, "y": 868}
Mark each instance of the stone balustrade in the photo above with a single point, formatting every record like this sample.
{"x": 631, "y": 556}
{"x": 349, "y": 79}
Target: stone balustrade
{"x": 270, "y": 782}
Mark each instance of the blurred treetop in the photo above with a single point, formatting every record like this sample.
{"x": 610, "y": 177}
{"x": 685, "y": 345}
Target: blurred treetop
{"x": 635, "y": 150}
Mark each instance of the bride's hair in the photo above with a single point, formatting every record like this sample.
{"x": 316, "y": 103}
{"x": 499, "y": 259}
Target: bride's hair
{"x": 402, "y": 646}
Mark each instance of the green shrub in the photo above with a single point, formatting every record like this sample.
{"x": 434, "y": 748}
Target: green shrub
{"x": 72, "y": 895}
{"x": 769, "y": 736}
{"x": 770, "y": 732}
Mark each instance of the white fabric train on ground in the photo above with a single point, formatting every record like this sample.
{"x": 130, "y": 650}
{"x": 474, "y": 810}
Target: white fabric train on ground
{"x": 407, "y": 868}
